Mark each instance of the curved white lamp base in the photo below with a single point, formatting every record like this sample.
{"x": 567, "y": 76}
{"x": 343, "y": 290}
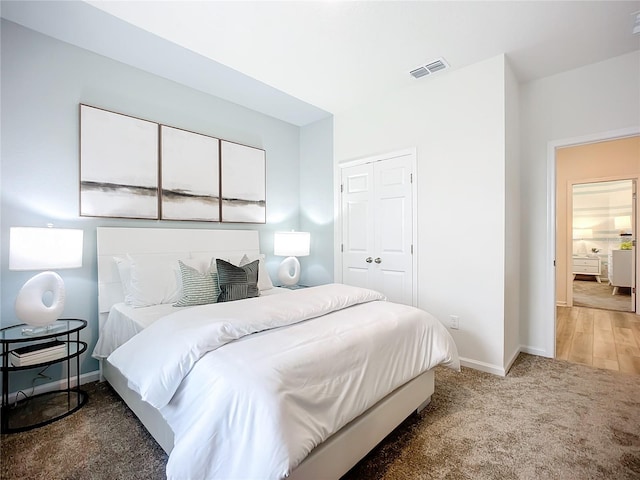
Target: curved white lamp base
{"x": 30, "y": 305}
{"x": 289, "y": 271}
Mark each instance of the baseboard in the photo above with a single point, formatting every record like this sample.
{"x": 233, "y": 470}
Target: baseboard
{"x": 58, "y": 385}
{"x": 482, "y": 366}
{"x": 495, "y": 369}
{"x": 534, "y": 351}
{"x": 512, "y": 359}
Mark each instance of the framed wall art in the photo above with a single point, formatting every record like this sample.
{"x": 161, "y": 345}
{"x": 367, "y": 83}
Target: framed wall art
{"x": 134, "y": 168}
{"x": 118, "y": 165}
{"x": 243, "y": 183}
{"x": 190, "y": 166}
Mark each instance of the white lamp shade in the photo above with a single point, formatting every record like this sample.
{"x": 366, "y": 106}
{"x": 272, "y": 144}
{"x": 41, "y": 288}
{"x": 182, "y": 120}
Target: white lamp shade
{"x": 291, "y": 244}
{"x": 622, "y": 223}
{"x": 32, "y": 248}
{"x": 582, "y": 233}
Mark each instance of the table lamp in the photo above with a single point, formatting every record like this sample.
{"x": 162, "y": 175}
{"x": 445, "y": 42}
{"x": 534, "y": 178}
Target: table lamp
{"x": 290, "y": 245}
{"x": 581, "y": 234}
{"x": 33, "y": 248}
{"x": 622, "y": 224}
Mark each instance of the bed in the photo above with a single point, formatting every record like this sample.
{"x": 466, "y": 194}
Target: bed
{"x": 319, "y": 429}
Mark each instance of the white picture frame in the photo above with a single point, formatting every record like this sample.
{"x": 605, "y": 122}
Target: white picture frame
{"x": 190, "y": 175}
{"x": 118, "y": 165}
{"x": 243, "y": 183}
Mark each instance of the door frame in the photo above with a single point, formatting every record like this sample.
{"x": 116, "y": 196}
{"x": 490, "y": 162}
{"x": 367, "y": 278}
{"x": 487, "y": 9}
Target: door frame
{"x": 549, "y": 295}
{"x": 337, "y": 264}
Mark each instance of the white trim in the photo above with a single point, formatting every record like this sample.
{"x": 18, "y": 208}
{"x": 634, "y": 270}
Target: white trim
{"x": 378, "y": 158}
{"x": 482, "y": 366}
{"x": 57, "y": 385}
{"x": 337, "y": 223}
{"x": 533, "y": 351}
{"x": 549, "y": 316}
{"x": 414, "y": 227}
{"x": 337, "y": 264}
{"x": 512, "y": 359}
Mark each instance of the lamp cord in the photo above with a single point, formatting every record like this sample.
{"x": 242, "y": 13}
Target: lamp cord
{"x": 39, "y": 376}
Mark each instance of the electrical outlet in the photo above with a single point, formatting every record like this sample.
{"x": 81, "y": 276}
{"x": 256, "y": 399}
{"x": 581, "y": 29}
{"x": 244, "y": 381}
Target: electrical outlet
{"x": 454, "y": 322}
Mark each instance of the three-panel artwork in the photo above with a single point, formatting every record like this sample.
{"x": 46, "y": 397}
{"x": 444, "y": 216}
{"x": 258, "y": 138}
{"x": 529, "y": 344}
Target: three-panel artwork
{"x": 133, "y": 168}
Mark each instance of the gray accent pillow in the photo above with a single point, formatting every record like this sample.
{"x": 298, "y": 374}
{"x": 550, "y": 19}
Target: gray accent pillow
{"x": 237, "y": 283}
{"x": 197, "y": 288}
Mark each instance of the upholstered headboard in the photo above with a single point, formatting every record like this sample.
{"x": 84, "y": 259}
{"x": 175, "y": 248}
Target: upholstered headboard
{"x": 115, "y": 241}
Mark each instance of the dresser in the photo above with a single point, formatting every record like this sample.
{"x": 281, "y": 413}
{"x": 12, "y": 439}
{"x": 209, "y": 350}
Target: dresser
{"x": 620, "y": 269}
{"x": 586, "y": 266}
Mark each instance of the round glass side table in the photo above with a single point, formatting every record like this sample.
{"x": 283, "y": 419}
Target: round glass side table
{"x": 25, "y": 348}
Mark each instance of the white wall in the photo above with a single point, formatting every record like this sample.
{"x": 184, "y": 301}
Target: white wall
{"x": 512, "y": 226}
{"x": 473, "y": 159}
{"x": 316, "y": 201}
{"x": 598, "y": 98}
{"x": 456, "y": 120}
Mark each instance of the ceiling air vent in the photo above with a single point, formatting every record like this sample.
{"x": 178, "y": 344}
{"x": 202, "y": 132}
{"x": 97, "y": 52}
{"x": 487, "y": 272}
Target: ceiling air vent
{"x": 429, "y": 68}
{"x": 419, "y": 72}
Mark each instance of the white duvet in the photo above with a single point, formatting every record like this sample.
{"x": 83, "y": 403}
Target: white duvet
{"x": 244, "y": 404}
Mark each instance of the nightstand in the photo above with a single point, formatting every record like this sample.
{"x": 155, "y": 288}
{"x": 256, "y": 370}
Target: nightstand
{"x": 44, "y": 408}
{"x": 586, "y": 266}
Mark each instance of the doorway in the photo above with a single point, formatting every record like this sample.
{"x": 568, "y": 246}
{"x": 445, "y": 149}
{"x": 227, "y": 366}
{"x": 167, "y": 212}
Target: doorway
{"x": 590, "y": 167}
{"x": 610, "y": 156}
{"x": 601, "y": 215}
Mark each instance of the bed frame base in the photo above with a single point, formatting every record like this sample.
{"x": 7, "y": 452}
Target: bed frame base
{"x": 151, "y": 418}
{"x": 330, "y": 460}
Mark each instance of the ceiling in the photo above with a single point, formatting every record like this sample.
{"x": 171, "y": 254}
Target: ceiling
{"x": 332, "y": 55}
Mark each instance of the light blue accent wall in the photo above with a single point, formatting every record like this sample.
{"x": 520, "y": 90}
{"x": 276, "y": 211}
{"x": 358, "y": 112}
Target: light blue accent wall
{"x": 43, "y": 82}
{"x": 316, "y": 201}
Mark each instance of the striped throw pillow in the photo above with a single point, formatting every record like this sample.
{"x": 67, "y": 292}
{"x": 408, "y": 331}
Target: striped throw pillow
{"x": 197, "y": 288}
{"x": 237, "y": 283}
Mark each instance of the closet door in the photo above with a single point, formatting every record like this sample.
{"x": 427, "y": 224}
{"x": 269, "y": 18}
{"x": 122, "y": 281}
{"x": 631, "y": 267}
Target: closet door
{"x": 377, "y": 229}
{"x": 357, "y": 225}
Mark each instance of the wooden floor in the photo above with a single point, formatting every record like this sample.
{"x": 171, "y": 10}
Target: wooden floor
{"x": 601, "y": 338}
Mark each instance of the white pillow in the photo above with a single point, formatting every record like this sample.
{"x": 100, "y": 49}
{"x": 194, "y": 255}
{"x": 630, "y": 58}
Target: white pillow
{"x": 124, "y": 270}
{"x": 264, "y": 280}
{"x": 203, "y": 262}
{"x": 154, "y": 280}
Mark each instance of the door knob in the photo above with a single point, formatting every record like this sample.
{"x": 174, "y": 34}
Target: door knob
{"x": 369, "y": 260}
{"x": 378, "y": 260}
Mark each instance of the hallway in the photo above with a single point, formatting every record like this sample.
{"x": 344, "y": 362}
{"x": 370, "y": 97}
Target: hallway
{"x": 600, "y": 338}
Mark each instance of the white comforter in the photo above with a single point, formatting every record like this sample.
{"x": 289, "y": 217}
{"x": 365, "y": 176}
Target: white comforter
{"x": 253, "y": 406}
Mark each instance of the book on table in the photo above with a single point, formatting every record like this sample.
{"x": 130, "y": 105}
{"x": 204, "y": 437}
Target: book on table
{"x": 38, "y": 353}
{"x": 38, "y": 348}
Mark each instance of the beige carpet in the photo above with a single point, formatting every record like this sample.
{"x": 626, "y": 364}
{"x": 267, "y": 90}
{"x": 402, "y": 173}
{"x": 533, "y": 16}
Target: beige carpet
{"x": 547, "y": 419}
{"x": 589, "y": 293}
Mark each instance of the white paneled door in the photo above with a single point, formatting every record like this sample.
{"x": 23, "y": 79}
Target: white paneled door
{"x": 377, "y": 226}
